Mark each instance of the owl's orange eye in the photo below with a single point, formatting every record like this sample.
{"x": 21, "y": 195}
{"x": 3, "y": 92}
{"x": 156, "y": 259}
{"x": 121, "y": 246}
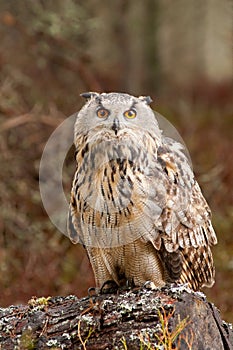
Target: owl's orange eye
{"x": 102, "y": 113}
{"x": 130, "y": 114}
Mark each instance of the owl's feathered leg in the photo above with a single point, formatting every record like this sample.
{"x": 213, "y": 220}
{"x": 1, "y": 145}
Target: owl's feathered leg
{"x": 102, "y": 265}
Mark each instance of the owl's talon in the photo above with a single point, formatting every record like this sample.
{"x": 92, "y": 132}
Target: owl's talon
{"x": 109, "y": 287}
{"x": 92, "y": 292}
{"x": 130, "y": 283}
{"x": 150, "y": 285}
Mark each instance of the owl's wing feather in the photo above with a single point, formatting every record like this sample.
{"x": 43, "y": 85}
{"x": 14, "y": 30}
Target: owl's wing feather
{"x": 73, "y": 222}
{"x": 186, "y": 219}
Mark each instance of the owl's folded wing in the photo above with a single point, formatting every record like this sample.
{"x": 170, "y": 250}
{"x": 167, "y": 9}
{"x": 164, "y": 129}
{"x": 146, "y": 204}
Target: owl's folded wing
{"x": 185, "y": 222}
{"x": 186, "y": 217}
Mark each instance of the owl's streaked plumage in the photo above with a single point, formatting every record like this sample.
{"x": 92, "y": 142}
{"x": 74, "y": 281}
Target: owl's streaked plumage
{"x": 135, "y": 204}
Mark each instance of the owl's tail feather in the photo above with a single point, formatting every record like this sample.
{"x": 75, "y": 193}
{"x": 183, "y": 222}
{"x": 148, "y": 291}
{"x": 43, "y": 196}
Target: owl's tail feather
{"x": 197, "y": 267}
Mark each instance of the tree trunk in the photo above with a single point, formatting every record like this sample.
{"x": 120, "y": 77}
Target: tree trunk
{"x": 169, "y": 318}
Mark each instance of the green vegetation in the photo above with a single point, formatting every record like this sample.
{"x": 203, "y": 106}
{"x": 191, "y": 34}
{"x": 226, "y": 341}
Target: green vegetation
{"x": 163, "y": 337}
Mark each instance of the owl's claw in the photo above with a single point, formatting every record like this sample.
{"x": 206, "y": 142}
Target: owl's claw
{"x": 149, "y": 285}
{"x": 130, "y": 283}
{"x": 92, "y": 292}
{"x": 109, "y": 287}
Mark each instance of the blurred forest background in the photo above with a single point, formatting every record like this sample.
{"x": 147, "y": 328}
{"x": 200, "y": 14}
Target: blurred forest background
{"x": 178, "y": 52}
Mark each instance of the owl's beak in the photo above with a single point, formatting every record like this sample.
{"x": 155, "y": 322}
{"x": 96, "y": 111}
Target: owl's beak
{"x": 116, "y": 125}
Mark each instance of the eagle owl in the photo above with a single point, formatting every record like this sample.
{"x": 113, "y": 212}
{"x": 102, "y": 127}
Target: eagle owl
{"x": 135, "y": 204}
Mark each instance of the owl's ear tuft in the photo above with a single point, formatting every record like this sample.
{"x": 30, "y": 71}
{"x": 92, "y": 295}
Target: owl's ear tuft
{"x": 146, "y": 99}
{"x": 89, "y": 95}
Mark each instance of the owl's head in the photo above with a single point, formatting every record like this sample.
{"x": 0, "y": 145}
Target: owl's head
{"x": 115, "y": 113}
